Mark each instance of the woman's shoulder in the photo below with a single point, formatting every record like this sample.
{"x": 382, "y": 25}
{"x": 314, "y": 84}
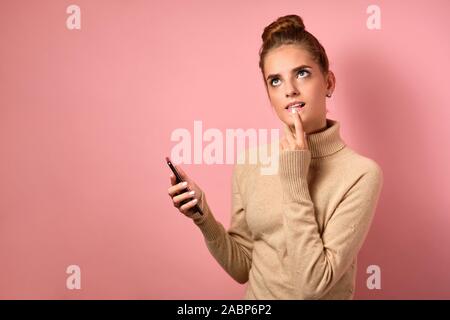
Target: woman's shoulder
{"x": 261, "y": 159}
{"x": 246, "y": 160}
{"x": 360, "y": 163}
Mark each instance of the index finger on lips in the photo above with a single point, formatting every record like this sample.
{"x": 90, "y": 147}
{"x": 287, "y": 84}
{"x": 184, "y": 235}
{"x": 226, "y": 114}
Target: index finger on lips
{"x": 288, "y": 134}
{"x": 299, "y": 132}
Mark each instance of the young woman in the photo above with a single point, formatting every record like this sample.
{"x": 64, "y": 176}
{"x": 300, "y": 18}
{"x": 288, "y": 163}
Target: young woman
{"x": 295, "y": 234}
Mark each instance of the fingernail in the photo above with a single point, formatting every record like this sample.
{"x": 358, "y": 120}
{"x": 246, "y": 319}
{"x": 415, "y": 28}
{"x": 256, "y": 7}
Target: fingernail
{"x": 194, "y": 201}
{"x": 184, "y": 184}
{"x": 192, "y": 192}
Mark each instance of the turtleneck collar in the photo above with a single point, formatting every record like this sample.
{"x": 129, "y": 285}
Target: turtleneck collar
{"x": 327, "y": 141}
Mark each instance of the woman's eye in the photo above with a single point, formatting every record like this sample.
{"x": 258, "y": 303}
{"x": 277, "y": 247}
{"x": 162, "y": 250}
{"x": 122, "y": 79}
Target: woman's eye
{"x": 300, "y": 71}
{"x": 303, "y": 71}
{"x": 273, "y": 81}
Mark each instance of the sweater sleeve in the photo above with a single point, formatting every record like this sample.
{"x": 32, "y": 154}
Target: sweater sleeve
{"x": 232, "y": 249}
{"x": 317, "y": 261}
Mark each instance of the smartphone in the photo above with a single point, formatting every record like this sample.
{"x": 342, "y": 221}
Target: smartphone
{"x": 178, "y": 180}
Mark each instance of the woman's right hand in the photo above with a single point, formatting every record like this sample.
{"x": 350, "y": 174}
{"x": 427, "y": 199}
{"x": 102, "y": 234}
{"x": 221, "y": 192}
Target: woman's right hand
{"x": 185, "y": 195}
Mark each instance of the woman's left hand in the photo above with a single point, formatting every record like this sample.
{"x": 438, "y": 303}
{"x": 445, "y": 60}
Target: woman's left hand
{"x": 294, "y": 140}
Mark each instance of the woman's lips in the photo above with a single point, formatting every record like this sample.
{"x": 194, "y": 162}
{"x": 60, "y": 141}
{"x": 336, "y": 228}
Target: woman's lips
{"x": 298, "y": 109}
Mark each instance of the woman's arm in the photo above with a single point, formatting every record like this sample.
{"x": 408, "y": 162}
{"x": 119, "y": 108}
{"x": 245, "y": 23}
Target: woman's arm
{"x": 233, "y": 248}
{"x": 317, "y": 262}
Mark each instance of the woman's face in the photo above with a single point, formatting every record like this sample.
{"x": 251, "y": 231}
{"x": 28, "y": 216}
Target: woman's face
{"x": 291, "y": 75}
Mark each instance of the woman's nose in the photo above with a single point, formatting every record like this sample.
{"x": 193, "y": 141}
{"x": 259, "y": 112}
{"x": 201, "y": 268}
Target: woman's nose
{"x": 291, "y": 91}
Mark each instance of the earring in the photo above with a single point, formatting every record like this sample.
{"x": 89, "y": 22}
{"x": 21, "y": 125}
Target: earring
{"x": 329, "y": 95}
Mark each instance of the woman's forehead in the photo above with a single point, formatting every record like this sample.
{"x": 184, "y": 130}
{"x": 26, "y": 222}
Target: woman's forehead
{"x": 284, "y": 59}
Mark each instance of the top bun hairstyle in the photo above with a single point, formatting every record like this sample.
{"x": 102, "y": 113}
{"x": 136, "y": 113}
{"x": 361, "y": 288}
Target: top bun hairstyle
{"x": 290, "y": 29}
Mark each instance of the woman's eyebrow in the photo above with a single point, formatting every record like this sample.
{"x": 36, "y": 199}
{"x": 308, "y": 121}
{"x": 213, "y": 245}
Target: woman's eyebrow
{"x": 293, "y": 70}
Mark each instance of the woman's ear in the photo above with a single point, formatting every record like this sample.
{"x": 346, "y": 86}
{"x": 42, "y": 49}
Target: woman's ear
{"x": 331, "y": 81}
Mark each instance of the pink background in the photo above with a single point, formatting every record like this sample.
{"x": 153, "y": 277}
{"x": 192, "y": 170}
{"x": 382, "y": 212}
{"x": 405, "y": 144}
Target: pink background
{"x": 86, "y": 117}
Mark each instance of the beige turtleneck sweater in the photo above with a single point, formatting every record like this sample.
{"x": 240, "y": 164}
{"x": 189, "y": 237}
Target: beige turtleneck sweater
{"x": 296, "y": 234}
